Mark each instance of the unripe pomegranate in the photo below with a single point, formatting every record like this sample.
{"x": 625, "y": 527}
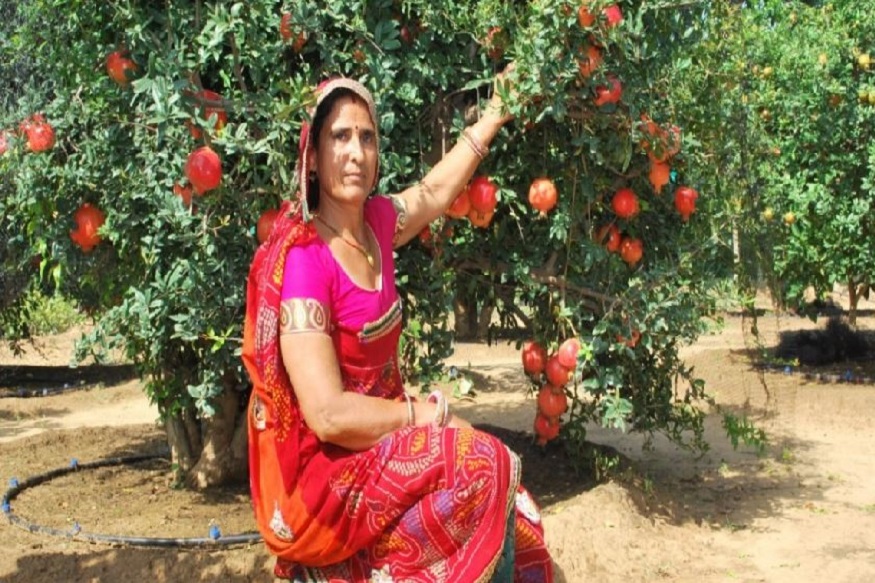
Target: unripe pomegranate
{"x": 204, "y": 169}
{"x": 4, "y": 143}
{"x": 625, "y": 203}
{"x": 534, "y": 358}
{"x": 543, "y": 195}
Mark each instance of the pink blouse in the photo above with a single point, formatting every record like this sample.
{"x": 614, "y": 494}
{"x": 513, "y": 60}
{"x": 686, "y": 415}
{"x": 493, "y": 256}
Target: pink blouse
{"x": 312, "y": 272}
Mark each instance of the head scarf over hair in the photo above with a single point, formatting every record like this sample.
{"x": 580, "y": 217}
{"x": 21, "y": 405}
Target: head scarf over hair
{"x": 325, "y": 89}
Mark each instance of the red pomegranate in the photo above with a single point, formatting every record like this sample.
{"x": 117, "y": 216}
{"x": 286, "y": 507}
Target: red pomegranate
{"x": 204, "y": 169}
{"x": 88, "y": 220}
{"x": 543, "y": 195}
{"x": 479, "y": 219}
{"x": 40, "y": 134}
{"x": 631, "y": 250}
{"x": 482, "y": 194}
{"x": 613, "y": 15}
{"x": 552, "y": 402}
{"x": 557, "y": 374}
{"x": 265, "y": 224}
{"x": 546, "y": 429}
{"x": 461, "y": 205}
{"x": 588, "y": 63}
{"x": 120, "y": 68}
{"x": 625, "y": 203}
{"x": 183, "y": 192}
{"x": 286, "y": 33}
{"x": 567, "y": 353}
{"x": 609, "y": 236}
{"x": 605, "y": 95}
{"x": 685, "y": 201}
{"x": 534, "y": 358}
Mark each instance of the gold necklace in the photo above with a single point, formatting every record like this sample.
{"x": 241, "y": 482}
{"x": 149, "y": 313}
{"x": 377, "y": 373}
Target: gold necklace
{"x": 354, "y": 244}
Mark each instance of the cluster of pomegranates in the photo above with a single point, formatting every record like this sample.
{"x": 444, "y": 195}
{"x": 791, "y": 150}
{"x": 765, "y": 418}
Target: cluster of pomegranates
{"x": 552, "y": 372}
{"x": 476, "y": 202}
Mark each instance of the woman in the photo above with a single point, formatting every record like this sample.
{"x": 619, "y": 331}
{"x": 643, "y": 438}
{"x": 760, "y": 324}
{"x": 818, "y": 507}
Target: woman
{"x": 351, "y": 478}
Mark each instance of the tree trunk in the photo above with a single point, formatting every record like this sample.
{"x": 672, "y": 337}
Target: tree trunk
{"x": 181, "y": 455}
{"x": 461, "y": 319}
{"x": 224, "y": 454}
{"x": 484, "y": 321}
{"x": 853, "y": 300}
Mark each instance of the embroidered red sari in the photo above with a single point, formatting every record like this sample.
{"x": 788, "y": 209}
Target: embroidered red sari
{"x": 422, "y": 505}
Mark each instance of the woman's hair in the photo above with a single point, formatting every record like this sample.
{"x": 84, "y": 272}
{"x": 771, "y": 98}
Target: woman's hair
{"x": 319, "y": 117}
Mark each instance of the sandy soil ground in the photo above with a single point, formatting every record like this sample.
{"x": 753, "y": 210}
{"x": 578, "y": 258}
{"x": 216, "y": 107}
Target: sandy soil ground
{"x": 803, "y": 511}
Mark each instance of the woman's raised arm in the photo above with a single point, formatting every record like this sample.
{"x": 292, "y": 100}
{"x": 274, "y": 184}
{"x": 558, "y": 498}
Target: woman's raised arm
{"x": 428, "y": 199}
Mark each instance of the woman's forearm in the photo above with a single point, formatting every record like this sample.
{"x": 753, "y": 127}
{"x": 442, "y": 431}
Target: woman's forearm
{"x": 358, "y": 422}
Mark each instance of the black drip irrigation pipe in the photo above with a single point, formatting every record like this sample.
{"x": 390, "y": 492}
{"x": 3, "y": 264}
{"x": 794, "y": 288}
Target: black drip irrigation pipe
{"x": 76, "y": 533}
{"x": 846, "y": 377}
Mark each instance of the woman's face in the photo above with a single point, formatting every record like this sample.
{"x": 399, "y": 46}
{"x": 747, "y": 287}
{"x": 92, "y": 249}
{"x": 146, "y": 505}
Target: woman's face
{"x": 346, "y": 154}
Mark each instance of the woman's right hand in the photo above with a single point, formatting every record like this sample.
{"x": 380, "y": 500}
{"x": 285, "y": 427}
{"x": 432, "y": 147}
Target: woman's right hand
{"x": 502, "y": 83}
